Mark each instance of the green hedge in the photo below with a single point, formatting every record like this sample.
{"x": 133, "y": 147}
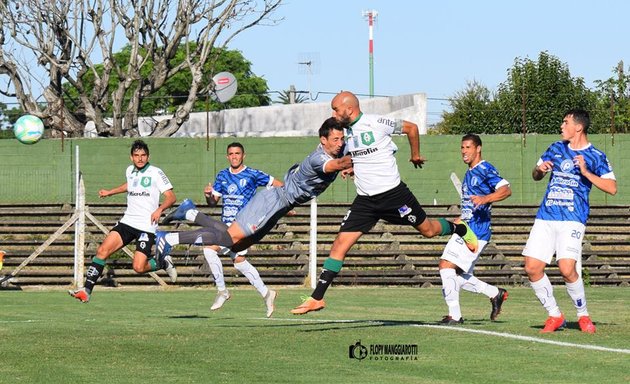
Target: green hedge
{"x": 44, "y": 172}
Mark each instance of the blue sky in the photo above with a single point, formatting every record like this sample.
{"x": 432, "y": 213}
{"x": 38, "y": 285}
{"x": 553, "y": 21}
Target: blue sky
{"x": 433, "y": 46}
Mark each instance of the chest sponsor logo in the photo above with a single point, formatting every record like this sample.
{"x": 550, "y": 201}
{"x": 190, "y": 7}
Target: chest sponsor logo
{"x": 567, "y": 165}
{"x": 367, "y": 138}
{"x": 145, "y": 181}
{"x": 232, "y": 188}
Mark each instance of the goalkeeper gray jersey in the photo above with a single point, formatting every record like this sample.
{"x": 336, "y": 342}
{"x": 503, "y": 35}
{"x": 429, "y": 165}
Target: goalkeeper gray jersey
{"x": 308, "y": 179}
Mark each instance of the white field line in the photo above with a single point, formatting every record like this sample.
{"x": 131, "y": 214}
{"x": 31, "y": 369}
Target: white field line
{"x": 469, "y": 330}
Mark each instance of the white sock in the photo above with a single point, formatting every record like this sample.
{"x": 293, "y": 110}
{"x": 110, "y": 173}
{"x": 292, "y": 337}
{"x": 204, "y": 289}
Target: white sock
{"x": 253, "y": 276}
{"x": 215, "y": 266}
{"x": 471, "y": 283}
{"x": 191, "y": 214}
{"x": 576, "y": 292}
{"x": 450, "y": 291}
{"x": 544, "y": 291}
{"x": 172, "y": 238}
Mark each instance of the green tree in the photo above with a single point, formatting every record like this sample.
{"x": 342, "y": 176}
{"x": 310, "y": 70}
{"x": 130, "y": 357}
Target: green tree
{"x": 68, "y": 39}
{"x": 533, "y": 99}
{"x": 536, "y": 95}
{"x": 614, "y": 101}
{"x": 472, "y": 111}
{"x": 252, "y": 90}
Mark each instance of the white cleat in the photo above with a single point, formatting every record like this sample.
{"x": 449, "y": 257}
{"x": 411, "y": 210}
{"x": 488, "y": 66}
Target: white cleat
{"x": 169, "y": 267}
{"x": 270, "y": 299}
{"x": 222, "y": 297}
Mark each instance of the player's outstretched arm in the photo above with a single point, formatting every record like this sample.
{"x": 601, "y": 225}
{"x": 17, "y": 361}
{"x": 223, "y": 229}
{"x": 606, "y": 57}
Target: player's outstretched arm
{"x": 335, "y": 165}
{"x": 411, "y": 130}
{"x": 109, "y": 192}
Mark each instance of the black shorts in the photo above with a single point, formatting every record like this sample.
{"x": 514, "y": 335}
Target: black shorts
{"x": 397, "y": 206}
{"x": 144, "y": 240}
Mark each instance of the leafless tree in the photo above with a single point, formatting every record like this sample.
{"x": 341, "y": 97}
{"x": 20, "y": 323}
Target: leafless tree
{"x": 66, "y": 39}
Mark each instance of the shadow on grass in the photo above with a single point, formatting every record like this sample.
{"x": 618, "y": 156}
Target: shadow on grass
{"x": 331, "y": 325}
{"x": 189, "y": 317}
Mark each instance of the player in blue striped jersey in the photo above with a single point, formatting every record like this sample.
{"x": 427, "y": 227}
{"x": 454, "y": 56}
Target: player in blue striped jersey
{"x": 482, "y": 186}
{"x": 236, "y": 185}
{"x": 575, "y": 165}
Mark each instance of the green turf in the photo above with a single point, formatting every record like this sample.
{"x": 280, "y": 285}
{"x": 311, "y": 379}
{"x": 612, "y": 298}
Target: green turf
{"x": 172, "y": 337}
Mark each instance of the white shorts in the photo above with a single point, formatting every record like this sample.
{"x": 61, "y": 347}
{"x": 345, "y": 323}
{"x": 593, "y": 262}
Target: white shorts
{"x": 458, "y": 253}
{"x": 562, "y": 238}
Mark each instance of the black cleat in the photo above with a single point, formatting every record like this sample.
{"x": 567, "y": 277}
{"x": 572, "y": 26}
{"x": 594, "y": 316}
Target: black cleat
{"x": 497, "y": 302}
{"x": 447, "y": 320}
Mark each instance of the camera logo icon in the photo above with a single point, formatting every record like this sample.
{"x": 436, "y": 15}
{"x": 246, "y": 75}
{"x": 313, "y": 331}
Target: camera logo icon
{"x": 357, "y": 351}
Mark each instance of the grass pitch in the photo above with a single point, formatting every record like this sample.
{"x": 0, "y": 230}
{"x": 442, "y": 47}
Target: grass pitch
{"x": 173, "y": 337}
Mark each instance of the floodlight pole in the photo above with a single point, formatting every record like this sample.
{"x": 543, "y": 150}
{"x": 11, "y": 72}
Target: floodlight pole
{"x": 371, "y": 16}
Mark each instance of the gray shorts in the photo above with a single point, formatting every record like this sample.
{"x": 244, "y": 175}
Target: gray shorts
{"x": 262, "y": 212}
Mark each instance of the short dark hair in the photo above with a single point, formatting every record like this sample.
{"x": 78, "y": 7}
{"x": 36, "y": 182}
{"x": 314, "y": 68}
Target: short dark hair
{"x": 328, "y": 125}
{"x": 139, "y": 145}
{"x": 581, "y": 117}
{"x": 474, "y": 138}
{"x": 237, "y": 145}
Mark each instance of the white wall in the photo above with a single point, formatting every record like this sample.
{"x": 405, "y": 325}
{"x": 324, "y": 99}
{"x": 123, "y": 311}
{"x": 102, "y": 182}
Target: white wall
{"x": 302, "y": 119}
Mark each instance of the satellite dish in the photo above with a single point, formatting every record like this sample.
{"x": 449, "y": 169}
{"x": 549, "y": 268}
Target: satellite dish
{"x": 223, "y": 87}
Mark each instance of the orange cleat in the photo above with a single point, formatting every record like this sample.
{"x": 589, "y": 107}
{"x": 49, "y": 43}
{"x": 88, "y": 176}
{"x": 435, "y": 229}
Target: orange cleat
{"x": 586, "y": 325}
{"x": 309, "y": 305}
{"x": 554, "y": 323}
{"x": 80, "y": 294}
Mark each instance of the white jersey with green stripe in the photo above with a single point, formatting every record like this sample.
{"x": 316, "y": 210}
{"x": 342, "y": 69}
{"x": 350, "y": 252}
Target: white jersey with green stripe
{"x": 144, "y": 188}
{"x": 369, "y": 142}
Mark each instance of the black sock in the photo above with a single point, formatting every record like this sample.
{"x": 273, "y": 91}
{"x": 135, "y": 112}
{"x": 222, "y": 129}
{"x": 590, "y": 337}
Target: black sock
{"x": 460, "y": 229}
{"x": 93, "y": 273}
{"x": 325, "y": 279}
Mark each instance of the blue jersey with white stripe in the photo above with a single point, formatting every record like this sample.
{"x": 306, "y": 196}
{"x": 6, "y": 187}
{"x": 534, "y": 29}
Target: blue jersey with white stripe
{"x": 567, "y": 195}
{"x": 237, "y": 189}
{"x": 483, "y": 179}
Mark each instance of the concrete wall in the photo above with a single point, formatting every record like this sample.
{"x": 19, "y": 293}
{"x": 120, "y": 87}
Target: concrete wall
{"x": 292, "y": 120}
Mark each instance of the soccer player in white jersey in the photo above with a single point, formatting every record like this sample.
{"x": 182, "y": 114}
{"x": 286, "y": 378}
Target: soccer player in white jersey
{"x": 575, "y": 165}
{"x": 380, "y": 192}
{"x": 145, "y": 183}
{"x": 482, "y": 186}
{"x": 236, "y": 185}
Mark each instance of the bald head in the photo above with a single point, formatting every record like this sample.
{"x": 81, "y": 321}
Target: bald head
{"x": 345, "y": 106}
